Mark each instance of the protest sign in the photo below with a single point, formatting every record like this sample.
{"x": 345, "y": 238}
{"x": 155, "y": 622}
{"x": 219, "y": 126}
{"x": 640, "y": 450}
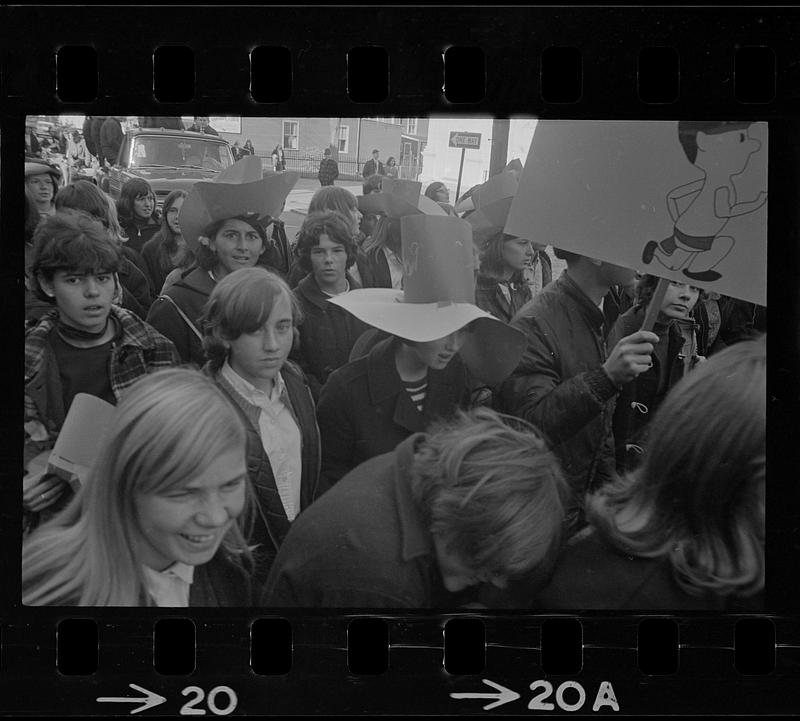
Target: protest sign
{"x": 684, "y": 201}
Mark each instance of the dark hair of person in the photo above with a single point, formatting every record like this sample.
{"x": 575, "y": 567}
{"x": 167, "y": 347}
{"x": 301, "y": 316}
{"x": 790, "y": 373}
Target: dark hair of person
{"x": 133, "y": 189}
{"x": 207, "y": 258}
{"x": 697, "y": 498}
{"x": 333, "y": 197}
{"x": 86, "y": 196}
{"x": 491, "y": 256}
{"x": 434, "y": 188}
{"x": 492, "y": 489}
{"x": 326, "y": 222}
{"x": 73, "y": 242}
{"x": 242, "y": 303}
{"x": 391, "y": 161}
{"x": 371, "y": 184}
{"x": 385, "y": 235}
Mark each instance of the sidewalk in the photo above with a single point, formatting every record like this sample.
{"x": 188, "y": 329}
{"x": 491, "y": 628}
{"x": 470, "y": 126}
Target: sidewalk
{"x": 300, "y": 196}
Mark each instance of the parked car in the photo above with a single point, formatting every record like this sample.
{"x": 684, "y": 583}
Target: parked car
{"x": 167, "y": 159}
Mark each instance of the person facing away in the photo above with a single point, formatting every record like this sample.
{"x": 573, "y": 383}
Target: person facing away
{"x": 84, "y": 344}
{"x": 686, "y": 529}
{"x": 145, "y": 531}
{"x": 326, "y": 251}
{"x": 447, "y": 511}
{"x": 111, "y": 137}
{"x": 250, "y": 324}
{"x": 639, "y": 399}
{"x": 328, "y": 169}
{"x": 566, "y": 382}
{"x": 373, "y": 166}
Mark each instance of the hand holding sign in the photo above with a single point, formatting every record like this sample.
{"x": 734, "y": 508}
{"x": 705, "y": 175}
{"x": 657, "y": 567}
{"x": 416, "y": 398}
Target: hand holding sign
{"x": 631, "y": 356}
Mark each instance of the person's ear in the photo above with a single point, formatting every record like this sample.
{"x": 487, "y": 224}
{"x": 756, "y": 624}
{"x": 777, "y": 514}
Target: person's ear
{"x": 46, "y": 286}
{"x": 206, "y": 241}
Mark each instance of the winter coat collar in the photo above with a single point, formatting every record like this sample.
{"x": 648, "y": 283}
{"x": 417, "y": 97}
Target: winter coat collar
{"x": 309, "y": 289}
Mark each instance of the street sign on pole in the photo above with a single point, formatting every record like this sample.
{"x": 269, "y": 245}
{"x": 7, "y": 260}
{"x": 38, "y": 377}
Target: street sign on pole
{"x": 459, "y": 139}
{"x": 463, "y": 140}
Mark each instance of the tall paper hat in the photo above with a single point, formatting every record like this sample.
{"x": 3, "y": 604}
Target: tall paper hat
{"x": 492, "y": 203}
{"x": 240, "y": 189}
{"x": 438, "y": 298}
{"x": 398, "y": 198}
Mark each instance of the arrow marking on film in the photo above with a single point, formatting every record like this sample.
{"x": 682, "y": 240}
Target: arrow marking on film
{"x": 506, "y": 695}
{"x": 149, "y": 700}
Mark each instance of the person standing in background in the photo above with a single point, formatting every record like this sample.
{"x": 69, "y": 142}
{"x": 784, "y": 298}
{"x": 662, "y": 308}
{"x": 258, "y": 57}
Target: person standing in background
{"x": 201, "y": 125}
{"x": 392, "y": 169}
{"x": 248, "y": 148}
{"x": 373, "y": 166}
{"x": 278, "y": 159}
{"x": 328, "y": 169}
{"x": 111, "y": 136}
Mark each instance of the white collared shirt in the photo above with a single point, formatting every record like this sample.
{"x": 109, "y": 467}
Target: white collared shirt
{"x": 170, "y": 588}
{"x": 280, "y": 435}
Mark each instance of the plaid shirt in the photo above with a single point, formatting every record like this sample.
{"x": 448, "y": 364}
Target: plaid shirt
{"x": 137, "y": 350}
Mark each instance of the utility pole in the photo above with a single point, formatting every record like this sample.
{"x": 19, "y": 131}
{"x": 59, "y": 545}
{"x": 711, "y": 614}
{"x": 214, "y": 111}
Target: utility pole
{"x": 499, "y": 155}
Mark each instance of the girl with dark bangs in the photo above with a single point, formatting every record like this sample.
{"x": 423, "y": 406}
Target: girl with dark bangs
{"x": 250, "y": 325}
{"x": 167, "y": 249}
{"x": 686, "y": 529}
{"x": 138, "y": 213}
{"x": 85, "y": 344}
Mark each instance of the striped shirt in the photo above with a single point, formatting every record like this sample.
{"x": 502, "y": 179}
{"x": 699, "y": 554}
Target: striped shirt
{"x": 417, "y": 391}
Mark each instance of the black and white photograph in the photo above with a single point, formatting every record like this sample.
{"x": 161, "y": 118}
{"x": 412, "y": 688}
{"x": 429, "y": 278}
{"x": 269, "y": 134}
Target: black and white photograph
{"x": 395, "y": 363}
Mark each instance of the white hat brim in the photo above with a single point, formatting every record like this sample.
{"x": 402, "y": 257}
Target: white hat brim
{"x": 491, "y": 353}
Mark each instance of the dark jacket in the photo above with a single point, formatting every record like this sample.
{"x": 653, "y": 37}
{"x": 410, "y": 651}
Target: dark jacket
{"x": 97, "y": 126}
{"x": 370, "y": 168}
{"x": 364, "y": 410}
{"x": 560, "y": 386}
{"x": 278, "y": 257}
{"x": 327, "y": 333}
{"x": 208, "y": 131}
{"x": 374, "y": 269}
{"x": 490, "y": 297}
{"x": 328, "y": 171}
{"x": 138, "y": 234}
{"x": 638, "y": 400}
{"x": 87, "y": 135}
{"x": 223, "y": 581}
{"x": 190, "y": 293}
{"x": 592, "y": 574}
{"x": 271, "y": 523}
{"x": 136, "y": 295}
{"x": 363, "y": 544}
{"x": 111, "y": 137}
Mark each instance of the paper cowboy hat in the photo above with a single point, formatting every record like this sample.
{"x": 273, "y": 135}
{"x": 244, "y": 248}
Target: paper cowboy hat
{"x": 438, "y": 298}
{"x": 491, "y": 202}
{"x": 397, "y": 199}
{"x": 240, "y": 189}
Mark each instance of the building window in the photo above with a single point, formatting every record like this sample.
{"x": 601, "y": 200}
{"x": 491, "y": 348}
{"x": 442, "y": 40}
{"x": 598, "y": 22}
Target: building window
{"x": 344, "y": 138}
{"x": 291, "y": 134}
{"x": 411, "y": 126}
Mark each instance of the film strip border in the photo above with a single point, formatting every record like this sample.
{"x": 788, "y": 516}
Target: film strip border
{"x": 409, "y": 665}
{"x": 565, "y": 62}
{"x": 660, "y": 63}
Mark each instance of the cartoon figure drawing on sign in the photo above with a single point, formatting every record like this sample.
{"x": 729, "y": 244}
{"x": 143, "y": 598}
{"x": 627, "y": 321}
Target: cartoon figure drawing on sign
{"x": 721, "y": 150}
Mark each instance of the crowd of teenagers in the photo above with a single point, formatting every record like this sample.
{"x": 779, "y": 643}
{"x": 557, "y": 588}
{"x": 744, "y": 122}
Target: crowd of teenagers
{"x": 400, "y": 407}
